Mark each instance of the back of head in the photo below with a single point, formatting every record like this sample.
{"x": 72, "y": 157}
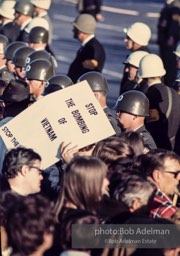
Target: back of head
{"x": 96, "y": 81}
{"x": 151, "y": 66}
{"x": 4, "y": 41}
{"x": 139, "y": 32}
{"x": 7, "y": 9}
{"x": 16, "y": 91}
{"x": 24, "y": 7}
{"x": 12, "y": 47}
{"x": 36, "y": 55}
{"x": 39, "y": 35}
{"x": 44, "y": 4}
{"x": 85, "y": 23}
{"x": 20, "y": 56}
{"x": 56, "y": 83}
{"x": 39, "y": 70}
{"x": 135, "y": 57}
{"x": 133, "y": 102}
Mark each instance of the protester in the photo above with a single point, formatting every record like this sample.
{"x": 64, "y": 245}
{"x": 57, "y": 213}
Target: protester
{"x": 91, "y": 55}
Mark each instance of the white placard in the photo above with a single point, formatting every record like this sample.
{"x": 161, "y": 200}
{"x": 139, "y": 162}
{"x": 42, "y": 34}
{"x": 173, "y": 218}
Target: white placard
{"x": 70, "y": 115}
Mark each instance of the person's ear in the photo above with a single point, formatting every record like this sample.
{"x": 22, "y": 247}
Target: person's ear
{"x": 156, "y": 175}
{"x": 24, "y": 170}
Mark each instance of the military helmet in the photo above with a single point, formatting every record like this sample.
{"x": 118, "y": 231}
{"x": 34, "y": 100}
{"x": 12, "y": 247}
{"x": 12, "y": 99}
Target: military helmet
{"x": 4, "y": 41}
{"x": 39, "y": 70}
{"x": 96, "y": 81}
{"x": 37, "y": 22}
{"x": 7, "y": 9}
{"x": 133, "y": 102}
{"x": 12, "y": 47}
{"x": 135, "y": 57}
{"x": 139, "y": 32}
{"x": 38, "y": 35}
{"x": 151, "y": 65}
{"x": 44, "y": 4}
{"x": 85, "y": 23}
{"x": 56, "y": 83}
{"x": 16, "y": 91}
{"x": 24, "y": 7}
{"x": 20, "y": 56}
{"x": 36, "y": 55}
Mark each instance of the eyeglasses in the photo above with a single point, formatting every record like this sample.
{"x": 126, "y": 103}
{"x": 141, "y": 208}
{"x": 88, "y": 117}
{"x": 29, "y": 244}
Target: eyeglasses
{"x": 37, "y": 168}
{"x": 176, "y": 174}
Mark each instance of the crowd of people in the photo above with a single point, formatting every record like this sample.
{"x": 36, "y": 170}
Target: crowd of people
{"x": 132, "y": 177}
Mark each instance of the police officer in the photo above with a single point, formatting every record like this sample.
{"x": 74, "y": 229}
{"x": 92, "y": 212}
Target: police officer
{"x": 91, "y": 55}
{"x": 24, "y": 11}
{"x": 137, "y": 39}
{"x": 57, "y": 82}
{"x": 37, "y": 73}
{"x": 164, "y": 120}
{"x": 8, "y": 27}
{"x": 38, "y": 39}
{"x": 100, "y": 88}
{"x": 4, "y": 73}
{"x": 9, "y": 52}
{"x": 19, "y": 60}
{"x": 131, "y": 108}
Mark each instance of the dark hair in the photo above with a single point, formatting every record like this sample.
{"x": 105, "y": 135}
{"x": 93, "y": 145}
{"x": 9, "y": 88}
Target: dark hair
{"x": 134, "y": 140}
{"x": 154, "y": 159}
{"x": 111, "y": 149}
{"x": 16, "y": 158}
{"x": 27, "y": 220}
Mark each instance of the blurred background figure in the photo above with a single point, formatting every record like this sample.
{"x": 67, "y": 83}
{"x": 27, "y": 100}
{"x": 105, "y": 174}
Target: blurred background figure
{"x": 92, "y": 7}
{"x": 168, "y": 37}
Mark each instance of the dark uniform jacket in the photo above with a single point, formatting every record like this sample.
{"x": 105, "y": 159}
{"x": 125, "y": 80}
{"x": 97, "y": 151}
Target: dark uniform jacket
{"x": 114, "y": 122}
{"x": 164, "y": 120}
{"x": 89, "y": 6}
{"x": 93, "y": 49}
{"x": 147, "y": 138}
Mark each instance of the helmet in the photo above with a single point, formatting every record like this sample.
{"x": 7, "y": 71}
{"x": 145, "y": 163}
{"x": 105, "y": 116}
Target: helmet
{"x": 24, "y": 7}
{"x": 38, "y": 35}
{"x": 44, "y": 4}
{"x": 20, "y": 56}
{"x": 177, "y": 52}
{"x": 12, "y": 47}
{"x": 36, "y": 55}
{"x": 151, "y": 65}
{"x": 96, "y": 81}
{"x": 39, "y": 70}
{"x": 135, "y": 57}
{"x": 4, "y": 41}
{"x": 139, "y": 32}
{"x": 85, "y": 23}
{"x": 56, "y": 83}
{"x": 133, "y": 102}
{"x": 7, "y": 9}
{"x": 37, "y": 22}
{"x": 16, "y": 91}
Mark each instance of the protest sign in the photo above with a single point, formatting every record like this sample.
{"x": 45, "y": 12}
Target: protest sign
{"x": 69, "y": 115}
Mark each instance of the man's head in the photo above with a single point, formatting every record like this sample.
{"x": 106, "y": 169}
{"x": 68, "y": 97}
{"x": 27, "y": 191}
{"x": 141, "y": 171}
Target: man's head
{"x": 163, "y": 167}
{"x": 21, "y": 167}
{"x": 24, "y": 10}
{"x": 132, "y": 64}
{"x": 137, "y": 35}
{"x": 151, "y": 68}
{"x": 7, "y": 10}
{"x": 37, "y": 73}
{"x": 38, "y": 37}
{"x": 3, "y": 45}
{"x": 41, "y": 4}
{"x": 98, "y": 85}
{"x": 131, "y": 108}
{"x": 83, "y": 26}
